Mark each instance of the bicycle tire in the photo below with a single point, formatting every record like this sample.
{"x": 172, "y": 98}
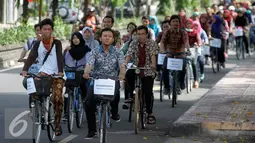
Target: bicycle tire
{"x": 79, "y": 112}
{"x": 187, "y": 79}
{"x": 130, "y": 111}
{"x": 51, "y": 125}
{"x": 70, "y": 112}
{"x": 218, "y": 66}
{"x": 37, "y": 127}
{"x": 161, "y": 91}
{"x": 136, "y": 111}
{"x": 102, "y": 129}
{"x": 243, "y": 51}
{"x": 214, "y": 64}
{"x": 142, "y": 112}
{"x": 174, "y": 90}
{"x": 238, "y": 49}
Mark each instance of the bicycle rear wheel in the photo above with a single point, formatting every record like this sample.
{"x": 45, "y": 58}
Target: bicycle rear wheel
{"x": 142, "y": 111}
{"x": 243, "y": 51}
{"x": 37, "y": 127}
{"x": 238, "y": 48}
{"x": 102, "y": 129}
{"x": 51, "y": 125}
{"x": 79, "y": 110}
{"x": 130, "y": 111}
{"x": 187, "y": 79}
{"x": 161, "y": 90}
{"x": 136, "y": 110}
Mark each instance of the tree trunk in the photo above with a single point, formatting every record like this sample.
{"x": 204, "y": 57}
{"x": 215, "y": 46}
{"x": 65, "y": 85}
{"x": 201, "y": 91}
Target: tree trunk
{"x": 85, "y": 11}
{"x": 25, "y": 11}
{"x": 40, "y": 11}
{"x": 138, "y": 6}
{"x": 54, "y": 9}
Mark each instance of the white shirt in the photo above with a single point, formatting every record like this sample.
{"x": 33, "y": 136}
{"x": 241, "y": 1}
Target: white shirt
{"x": 51, "y": 64}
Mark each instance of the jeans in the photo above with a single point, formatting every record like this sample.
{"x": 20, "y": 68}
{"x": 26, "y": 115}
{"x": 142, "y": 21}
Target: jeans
{"x": 91, "y": 102}
{"x": 201, "y": 64}
{"x": 147, "y": 88}
{"x": 166, "y": 73}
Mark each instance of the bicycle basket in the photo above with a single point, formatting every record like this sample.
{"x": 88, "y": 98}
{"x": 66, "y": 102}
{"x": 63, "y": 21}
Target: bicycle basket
{"x": 105, "y": 89}
{"x": 43, "y": 86}
{"x": 74, "y": 78}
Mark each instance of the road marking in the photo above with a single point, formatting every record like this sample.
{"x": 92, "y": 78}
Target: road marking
{"x": 67, "y": 139}
{"x": 18, "y": 66}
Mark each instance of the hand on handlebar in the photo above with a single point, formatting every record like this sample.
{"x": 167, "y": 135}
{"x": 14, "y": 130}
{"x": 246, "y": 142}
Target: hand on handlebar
{"x": 23, "y": 73}
{"x": 22, "y": 60}
{"x": 86, "y": 76}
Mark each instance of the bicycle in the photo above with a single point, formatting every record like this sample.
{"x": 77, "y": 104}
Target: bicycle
{"x": 74, "y": 101}
{"x": 161, "y": 58}
{"x": 215, "y": 44}
{"x": 240, "y": 46}
{"x": 42, "y": 107}
{"x": 139, "y": 106}
{"x": 174, "y": 65}
{"x": 189, "y": 78}
{"x": 104, "y": 91}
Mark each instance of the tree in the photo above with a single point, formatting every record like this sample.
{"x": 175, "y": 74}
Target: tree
{"x": 166, "y": 7}
{"x": 117, "y": 3}
{"x": 25, "y": 11}
{"x": 54, "y": 8}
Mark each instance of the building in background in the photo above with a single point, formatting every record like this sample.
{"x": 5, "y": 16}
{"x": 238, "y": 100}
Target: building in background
{"x": 9, "y": 13}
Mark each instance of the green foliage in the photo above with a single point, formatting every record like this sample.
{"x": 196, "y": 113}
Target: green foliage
{"x": 166, "y": 7}
{"x": 119, "y": 3}
{"x": 20, "y": 34}
{"x": 122, "y": 23}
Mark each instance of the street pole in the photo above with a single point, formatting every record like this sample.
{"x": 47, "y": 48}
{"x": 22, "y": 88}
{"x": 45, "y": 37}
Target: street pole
{"x": 40, "y": 11}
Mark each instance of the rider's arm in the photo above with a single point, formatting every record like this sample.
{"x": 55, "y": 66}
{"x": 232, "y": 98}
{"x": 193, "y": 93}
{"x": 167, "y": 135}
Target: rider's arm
{"x": 154, "y": 51}
{"x": 186, "y": 40}
{"x": 22, "y": 55}
{"x": 90, "y": 63}
{"x": 122, "y": 66}
{"x": 199, "y": 41}
{"x": 59, "y": 57}
{"x": 162, "y": 43}
{"x": 130, "y": 52}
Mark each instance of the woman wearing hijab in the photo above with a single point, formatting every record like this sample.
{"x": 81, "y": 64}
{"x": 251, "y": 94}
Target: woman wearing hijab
{"x": 154, "y": 25}
{"x": 88, "y": 36}
{"x": 77, "y": 56}
{"x": 216, "y": 31}
{"x": 204, "y": 21}
{"x": 229, "y": 20}
{"x": 194, "y": 42}
{"x": 205, "y": 41}
{"x": 182, "y": 15}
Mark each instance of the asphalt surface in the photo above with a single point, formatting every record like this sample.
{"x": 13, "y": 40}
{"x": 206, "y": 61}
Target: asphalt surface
{"x": 13, "y": 95}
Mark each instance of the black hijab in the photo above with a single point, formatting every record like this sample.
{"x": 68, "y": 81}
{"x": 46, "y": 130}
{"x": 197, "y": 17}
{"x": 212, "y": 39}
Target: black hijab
{"x": 78, "y": 51}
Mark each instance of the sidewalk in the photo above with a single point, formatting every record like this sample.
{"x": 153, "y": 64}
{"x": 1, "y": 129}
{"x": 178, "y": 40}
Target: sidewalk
{"x": 227, "y": 109}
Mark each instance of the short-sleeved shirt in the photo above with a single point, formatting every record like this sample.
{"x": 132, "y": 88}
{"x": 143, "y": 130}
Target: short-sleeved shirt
{"x": 116, "y": 36}
{"x": 30, "y": 43}
{"x": 175, "y": 41}
{"x": 151, "y": 48}
{"x": 106, "y": 63}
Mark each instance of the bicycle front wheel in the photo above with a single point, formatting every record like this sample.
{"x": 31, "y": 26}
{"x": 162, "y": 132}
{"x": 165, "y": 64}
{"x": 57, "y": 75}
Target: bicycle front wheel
{"x": 51, "y": 125}
{"x": 239, "y": 48}
{"x": 36, "y": 117}
{"x": 174, "y": 89}
{"x": 70, "y": 112}
{"x": 102, "y": 129}
{"x": 187, "y": 79}
{"x": 79, "y": 111}
{"x": 136, "y": 110}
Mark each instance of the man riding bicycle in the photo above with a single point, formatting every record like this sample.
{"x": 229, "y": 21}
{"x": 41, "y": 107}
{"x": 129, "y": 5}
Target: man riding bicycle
{"x": 51, "y": 65}
{"x": 104, "y": 60}
{"x": 175, "y": 40}
{"x": 142, "y": 52}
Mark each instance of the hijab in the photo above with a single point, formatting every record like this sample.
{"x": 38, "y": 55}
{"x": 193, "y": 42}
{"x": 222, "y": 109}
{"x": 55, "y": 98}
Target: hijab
{"x": 91, "y": 42}
{"x": 199, "y": 28}
{"x": 155, "y": 26}
{"x": 205, "y": 24}
{"x": 228, "y": 15}
{"x": 191, "y": 32}
{"x": 78, "y": 51}
{"x": 216, "y": 27}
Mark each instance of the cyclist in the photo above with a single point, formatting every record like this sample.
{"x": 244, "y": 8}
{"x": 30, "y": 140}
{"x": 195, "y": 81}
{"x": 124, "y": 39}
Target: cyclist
{"x": 109, "y": 61}
{"x": 30, "y": 42}
{"x": 154, "y": 25}
{"x": 242, "y": 21}
{"x": 146, "y": 22}
{"x": 130, "y": 27}
{"x": 108, "y": 22}
{"x": 52, "y": 65}
{"x": 175, "y": 40}
{"x": 194, "y": 42}
{"x": 89, "y": 38}
{"x": 183, "y": 17}
{"x": 77, "y": 56}
{"x": 216, "y": 31}
{"x": 142, "y": 51}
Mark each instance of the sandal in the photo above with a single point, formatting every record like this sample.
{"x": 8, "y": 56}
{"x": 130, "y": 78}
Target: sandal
{"x": 58, "y": 131}
{"x": 151, "y": 119}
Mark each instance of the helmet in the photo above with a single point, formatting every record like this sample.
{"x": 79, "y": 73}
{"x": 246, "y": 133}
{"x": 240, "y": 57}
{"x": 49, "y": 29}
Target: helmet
{"x": 231, "y": 8}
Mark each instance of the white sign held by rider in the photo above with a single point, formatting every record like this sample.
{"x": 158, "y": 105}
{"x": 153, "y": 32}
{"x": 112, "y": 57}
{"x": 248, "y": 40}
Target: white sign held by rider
{"x": 31, "y": 86}
{"x": 238, "y": 32}
{"x": 104, "y": 87}
{"x": 161, "y": 58}
{"x": 174, "y": 64}
{"x": 216, "y": 43}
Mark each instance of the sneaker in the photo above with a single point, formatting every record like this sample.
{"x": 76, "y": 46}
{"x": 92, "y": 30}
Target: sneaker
{"x": 202, "y": 77}
{"x": 116, "y": 118}
{"x": 91, "y": 135}
{"x": 182, "y": 86}
{"x": 125, "y": 106}
{"x": 166, "y": 91}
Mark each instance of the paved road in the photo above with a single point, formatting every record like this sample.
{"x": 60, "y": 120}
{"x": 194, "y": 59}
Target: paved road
{"x": 12, "y": 95}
